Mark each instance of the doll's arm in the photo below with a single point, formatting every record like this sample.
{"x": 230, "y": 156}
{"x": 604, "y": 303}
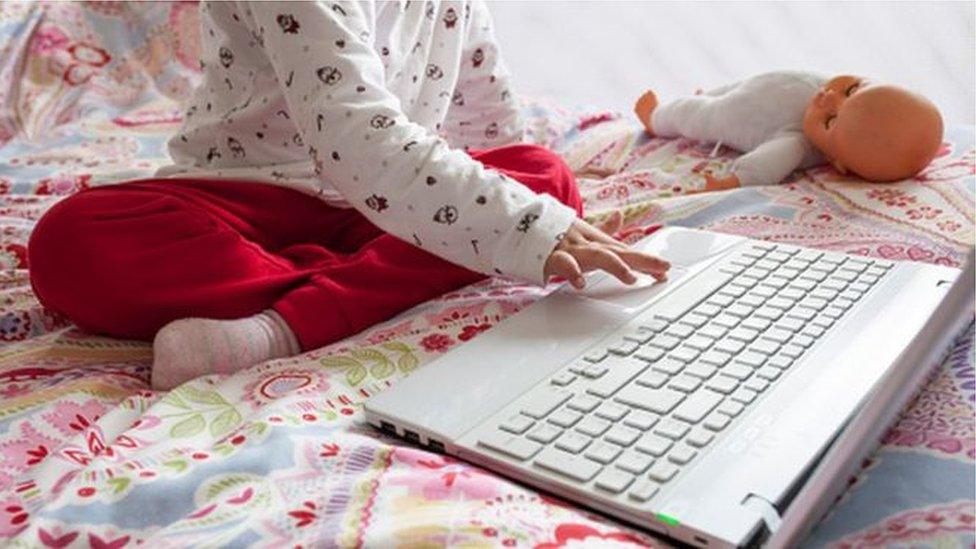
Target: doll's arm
{"x": 771, "y": 162}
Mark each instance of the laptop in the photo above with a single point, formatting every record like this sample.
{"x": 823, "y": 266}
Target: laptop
{"x": 725, "y": 407}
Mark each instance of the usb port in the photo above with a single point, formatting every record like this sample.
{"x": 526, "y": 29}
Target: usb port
{"x": 436, "y": 445}
{"x": 411, "y": 436}
{"x": 388, "y": 427}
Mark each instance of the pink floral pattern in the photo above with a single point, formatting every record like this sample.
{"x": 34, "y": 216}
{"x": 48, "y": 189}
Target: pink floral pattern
{"x": 279, "y": 454}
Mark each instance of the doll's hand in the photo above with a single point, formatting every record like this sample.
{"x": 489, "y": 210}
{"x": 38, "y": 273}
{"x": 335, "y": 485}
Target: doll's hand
{"x": 586, "y": 248}
{"x": 713, "y": 183}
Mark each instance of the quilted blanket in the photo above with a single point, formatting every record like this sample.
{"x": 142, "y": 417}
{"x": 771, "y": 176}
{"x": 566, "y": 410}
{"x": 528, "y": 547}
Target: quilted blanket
{"x": 279, "y": 454}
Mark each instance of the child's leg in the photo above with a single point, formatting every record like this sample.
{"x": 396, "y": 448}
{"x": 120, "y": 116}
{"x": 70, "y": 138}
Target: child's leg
{"x": 387, "y": 275}
{"x": 128, "y": 260}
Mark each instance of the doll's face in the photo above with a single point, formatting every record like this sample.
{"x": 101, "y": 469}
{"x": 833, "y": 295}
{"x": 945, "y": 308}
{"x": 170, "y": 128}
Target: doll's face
{"x": 879, "y": 132}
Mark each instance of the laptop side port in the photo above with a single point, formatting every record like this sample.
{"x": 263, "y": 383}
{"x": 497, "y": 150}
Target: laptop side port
{"x": 411, "y": 436}
{"x": 388, "y": 427}
{"x": 436, "y": 445}
{"x": 701, "y": 540}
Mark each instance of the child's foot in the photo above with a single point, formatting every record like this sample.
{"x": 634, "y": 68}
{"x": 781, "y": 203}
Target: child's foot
{"x": 191, "y": 347}
{"x": 644, "y": 108}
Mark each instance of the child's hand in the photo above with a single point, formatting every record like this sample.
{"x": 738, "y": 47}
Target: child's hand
{"x": 586, "y": 248}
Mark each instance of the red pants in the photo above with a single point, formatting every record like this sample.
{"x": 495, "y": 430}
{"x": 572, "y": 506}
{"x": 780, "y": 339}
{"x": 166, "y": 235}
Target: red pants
{"x": 124, "y": 260}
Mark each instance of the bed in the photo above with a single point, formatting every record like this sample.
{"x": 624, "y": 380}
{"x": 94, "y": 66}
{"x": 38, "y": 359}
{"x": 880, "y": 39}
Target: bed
{"x": 279, "y": 454}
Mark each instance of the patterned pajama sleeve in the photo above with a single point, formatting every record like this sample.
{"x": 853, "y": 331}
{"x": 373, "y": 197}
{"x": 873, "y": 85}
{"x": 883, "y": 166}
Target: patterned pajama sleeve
{"x": 484, "y": 112}
{"x": 404, "y": 178}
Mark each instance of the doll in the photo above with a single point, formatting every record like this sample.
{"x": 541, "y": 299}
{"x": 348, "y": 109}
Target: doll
{"x": 789, "y": 120}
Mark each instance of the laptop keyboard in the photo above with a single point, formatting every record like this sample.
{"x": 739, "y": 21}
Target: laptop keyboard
{"x": 646, "y": 402}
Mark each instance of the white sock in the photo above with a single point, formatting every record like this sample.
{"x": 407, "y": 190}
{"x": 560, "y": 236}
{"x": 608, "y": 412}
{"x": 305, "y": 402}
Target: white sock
{"x": 191, "y": 347}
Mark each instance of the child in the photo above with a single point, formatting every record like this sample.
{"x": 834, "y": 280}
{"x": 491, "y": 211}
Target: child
{"x": 318, "y": 187}
{"x": 789, "y": 119}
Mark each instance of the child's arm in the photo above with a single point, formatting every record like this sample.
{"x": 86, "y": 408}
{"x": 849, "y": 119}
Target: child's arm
{"x": 405, "y": 179}
{"x": 484, "y": 111}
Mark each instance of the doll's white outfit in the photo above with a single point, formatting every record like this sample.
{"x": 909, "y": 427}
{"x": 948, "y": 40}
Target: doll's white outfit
{"x": 761, "y": 116}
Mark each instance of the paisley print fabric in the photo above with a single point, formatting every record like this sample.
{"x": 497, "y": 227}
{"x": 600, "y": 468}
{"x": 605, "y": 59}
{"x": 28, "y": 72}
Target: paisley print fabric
{"x": 279, "y": 454}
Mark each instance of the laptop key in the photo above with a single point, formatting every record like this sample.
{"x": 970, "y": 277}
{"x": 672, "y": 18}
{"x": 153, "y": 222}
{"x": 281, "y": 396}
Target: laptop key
{"x": 511, "y": 445}
{"x": 700, "y": 370}
{"x": 712, "y": 330}
{"x": 562, "y": 379}
{"x": 681, "y": 454}
{"x": 517, "y": 424}
{"x": 643, "y": 490}
{"x": 652, "y": 444}
{"x": 699, "y": 437}
{"x": 743, "y": 395}
{"x": 671, "y": 428}
{"x": 634, "y": 462}
{"x": 622, "y": 371}
{"x": 611, "y": 411}
{"x": 660, "y": 401}
{"x": 715, "y": 358}
{"x": 614, "y": 480}
{"x": 573, "y": 466}
{"x": 680, "y": 330}
{"x": 743, "y": 334}
{"x": 649, "y": 354}
{"x": 685, "y": 383}
{"x": 564, "y": 418}
{"x": 584, "y": 403}
{"x": 730, "y": 408}
{"x": 669, "y": 365}
{"x": 732, "y": 346}
{"x": 756, "y": 384}
{"x": 665, "y": 341}
{"x": 624, "y": 347}
{"x": 716, "y": 421}
{"x": 639, "y": 419}
{"x": 602, "y": 452}
{"x": 722, "y": 384}
{"x": 624, "y": 436}
{"x": 544, "y": 402}
{"x": 653, "y": 379}
{"x": 573, "y": 442}
{"x": 685, "y": 353}
{"x": 737, "y": 370}
{"x": 595, "y": 355}
{"x": 593, "y": 426}
{"x": 545, "y": 433}
{"x": 662, "y": 471}
{"x": 697, "y": 406}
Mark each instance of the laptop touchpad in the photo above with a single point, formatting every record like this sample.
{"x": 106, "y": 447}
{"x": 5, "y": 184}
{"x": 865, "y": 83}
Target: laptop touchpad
{"x": 608, "y": 289}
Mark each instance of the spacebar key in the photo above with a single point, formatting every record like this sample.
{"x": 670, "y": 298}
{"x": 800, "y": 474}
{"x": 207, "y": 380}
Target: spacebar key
{"x": 672, "y": 306}
{"x": 573, "y": 466}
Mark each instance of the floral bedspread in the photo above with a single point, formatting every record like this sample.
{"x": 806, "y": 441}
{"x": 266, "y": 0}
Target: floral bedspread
{"x": 279, "y": 454}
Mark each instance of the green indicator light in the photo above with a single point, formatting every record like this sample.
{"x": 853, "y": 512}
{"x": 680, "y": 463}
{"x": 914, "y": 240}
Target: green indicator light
{"x": 670, "y": 521}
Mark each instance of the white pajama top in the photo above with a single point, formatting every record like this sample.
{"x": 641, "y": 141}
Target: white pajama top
{"x": 761, "y": 116}
{"x": 369, "y": 105}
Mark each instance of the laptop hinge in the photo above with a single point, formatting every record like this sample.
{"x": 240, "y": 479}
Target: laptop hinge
{"x": 765, "y": 509}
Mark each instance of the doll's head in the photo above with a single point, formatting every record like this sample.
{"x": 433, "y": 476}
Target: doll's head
{"x": 879, "y": 132}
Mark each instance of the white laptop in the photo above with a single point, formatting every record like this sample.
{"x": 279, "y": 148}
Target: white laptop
{"x": 722, "y": 408}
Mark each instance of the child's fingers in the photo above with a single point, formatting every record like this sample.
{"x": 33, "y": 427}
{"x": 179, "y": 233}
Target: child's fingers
{"x": 598, "y": 257}
{"x": 563, "y": 264}
{"x": 644, "y": 262}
